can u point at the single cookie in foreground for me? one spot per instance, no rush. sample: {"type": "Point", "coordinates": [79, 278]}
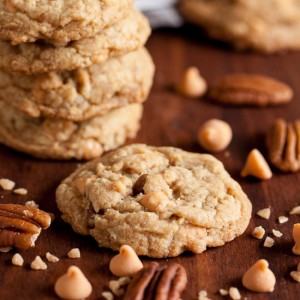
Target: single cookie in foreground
{"type": "Point", "coordinates": [60, 21]}
{"type": "Point", "coordinates": [266, 26]}
{"type": "Point", "coordinates": [127, 35]}
{"type": "Point", "coordinates": [160, 201]}
{"type": "Point", "coordinates": [84, 93]}
{"type": "Point", "coordinates": [59, 139]}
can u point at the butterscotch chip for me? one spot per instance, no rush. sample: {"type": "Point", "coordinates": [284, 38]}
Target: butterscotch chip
{"type": "Point", "coordinates": [282, 219]}
{"type": "Point", "coordinates": [295, 211]}
{"type": "Point", "coordinates": [295, 275]}
{"type": "Point", "coordinates": [223, 292]}
{"type": "Point", "coordinates": [107, 295]}
{"type": "Point", "coordinates": [258, 232]}
{"type": "Point", "coordinates": [38, 264]}
{"type": "Point", "coordinates": [277, 233]}
{"type": "Point", "coordinates": [17, 260]}
{"type": "Point", "coordinates": [192, 84]}
{"type": "Point", "coordinates": [51, 258]}
{"type": "Point", "coordinates": [234, 293]}
{"type": "Point", "coordinates": [264, 213]}
{"type": "Point", "coordinates": [250, 89]}
{"type": "Point", "coordinates": [7, 184]}
{"type": "Point", "coordinates": [256, 166]}
{"type": "Point", "coordinates": [269, 242]}
{"type": "Point", "coordinates": [283, 142]}
{"type": "Point", "coordinates": [21, 191]}
{"type": "Point", "coordinates": [74, 253]}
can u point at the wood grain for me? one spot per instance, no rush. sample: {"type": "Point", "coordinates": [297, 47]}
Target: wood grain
{"type": "Point", "coordinates": [171, 119]}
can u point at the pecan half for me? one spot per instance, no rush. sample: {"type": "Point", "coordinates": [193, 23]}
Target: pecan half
{"type": "Point", "coordinates": [283, 142]}
{"type": "Point", "coordinates": [21, 225]}
{"type": "Point", "coordinates": [138, 187]}
{"type": "Point", "coordinates": [157, 283]}
{"type": "Point", "coordinates": [250, 89]}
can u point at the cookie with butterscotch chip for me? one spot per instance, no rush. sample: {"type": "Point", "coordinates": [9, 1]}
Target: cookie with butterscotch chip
{"type": "Point", "coordinates": [59, 21]}
{"type": "Point", "coordinates": [161, 201]}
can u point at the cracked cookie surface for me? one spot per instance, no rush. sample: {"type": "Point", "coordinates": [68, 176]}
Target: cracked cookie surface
{"type": "Point", "coordinates": [58, 21]}
{"type": "Point", "coordinates": [160, 201]}
{"type": "Point", "coordinates": [60, 139]}
{"type": "Point", "coordinates": [266, 26]}
{"type": "Point", "coordinates": [84, 93]}
{"type": "Point", "coordinates": [128, 35]}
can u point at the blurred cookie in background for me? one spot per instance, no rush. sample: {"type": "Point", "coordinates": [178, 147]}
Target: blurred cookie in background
{"type": "Point", "coordinates": [266, 26]}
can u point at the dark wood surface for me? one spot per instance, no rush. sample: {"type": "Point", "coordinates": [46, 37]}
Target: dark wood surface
{"type": "Point", "coordinates": [173, 120]}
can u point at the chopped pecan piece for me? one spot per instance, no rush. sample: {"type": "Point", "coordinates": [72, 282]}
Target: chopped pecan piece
{"type": "Point", "coordinates": [138, 187]}
{"type": "Point", "coordinates": [283, 142]}
{"type": "Point", "coordinates": [158, 283]}
{"type": "Point", "coordinates": [21, 225]}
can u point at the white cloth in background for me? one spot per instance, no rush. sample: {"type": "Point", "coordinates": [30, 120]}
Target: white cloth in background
{"type": "Point", "coordinates": [161, 13]}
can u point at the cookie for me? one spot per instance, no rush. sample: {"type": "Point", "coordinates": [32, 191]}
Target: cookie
{"type": "Point", "coordinates": [128, 35]}
{"type": "Point", "coordinates": [59, 139]}
{"type": "Point", "coordinates": [266, 26]}
{"type": "Point", "coordinates": [160, 201]}
{"type": "Point", "coordinates": [59, 21]}
{"type": "Point", "coordinates": [84, 93]}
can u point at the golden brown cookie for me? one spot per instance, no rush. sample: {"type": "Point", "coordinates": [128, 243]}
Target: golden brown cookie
{"type": "Point", "coordinates": [83, 93]}
{"type": "Point", "coordinates": [161, 201]}
{"type": "Point", "coordinates": [266, 26]}
{"type": "Point", "coordinates": [59, 21]}
{"type": "Point", "coordinates": [59, 139]}
{"type": "Point", "coordinates": [129, 34]}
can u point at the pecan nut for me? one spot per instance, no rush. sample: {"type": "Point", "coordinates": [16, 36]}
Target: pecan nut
{"type": "Point", "coordinates": [283, 142]}
{"type": "Point", "coordinates": [21, 225]}
{"type": "Point", "coordinates": [138, 187]}
{"type": "Point", "coordinates": [250, 89]}
{"type": "Point", "coordinates": [158, 283]}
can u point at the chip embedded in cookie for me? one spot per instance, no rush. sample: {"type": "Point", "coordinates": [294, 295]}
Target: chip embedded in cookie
{"type": "Point", "coordinates": [160, 201]}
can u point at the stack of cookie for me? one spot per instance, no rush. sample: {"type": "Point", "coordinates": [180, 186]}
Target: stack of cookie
{"type": "Point", "coordinates": [73, 75]}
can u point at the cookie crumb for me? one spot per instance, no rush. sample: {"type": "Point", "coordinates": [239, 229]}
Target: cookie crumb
{"type": "Point", "coordinates": [51, 258]}
{"type": "Point", "coordinates": [21, 191]}
{"type": "Point", "coordinates": [74, 253]}
{"type": "Point", "coordinates": [234, 293]}
{"type": "Point", "coordinates": [38, 264]}
{"type": "Point", "coordinates": [32, 204]}
{"type": "Point", "coordinates": [264, 213]}
{"type": "Point", "coordinates": [258, 232]}
{"type": "Point", "coordinates": [269, 242]}
{"type": "Point", "coordinates": [17, 260]}
{"type": "Point", "coordinates": [223, 292]}
{"type": "Point", "coordinates": [295, 275]}
{"type": "Point", "coordinates": [277, 233]}
{"type": "Point", "coordinates": [202, 295]}
{"type": "Point", "coordinates": [5, 249]}
{"type": "Point", "coordinates": [116, 285]}
{"type": "Point", "coordinates": [282, 219]}
{"type": "Point", "coordinates": [107, 295]}
{"type": "Point", "coordinates": [295, 211]}
{"type": "Point", "coordinates": [6, 184]}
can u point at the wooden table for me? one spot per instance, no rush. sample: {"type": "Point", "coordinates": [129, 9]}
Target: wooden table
{"type": "Point", "coordinates": [174, 120]}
